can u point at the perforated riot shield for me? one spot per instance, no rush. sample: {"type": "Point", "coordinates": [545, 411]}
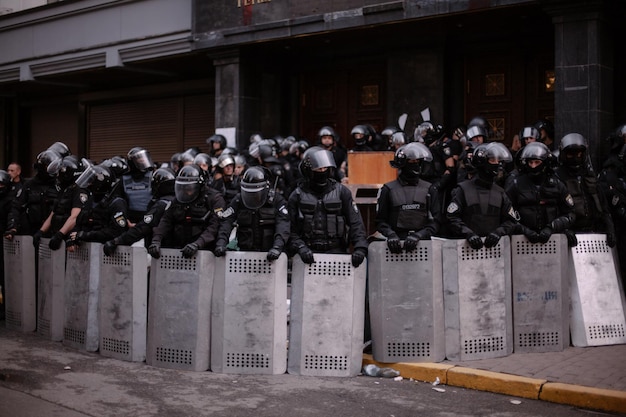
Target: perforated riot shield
{"type": "Point", "coordinates": [19, 283]}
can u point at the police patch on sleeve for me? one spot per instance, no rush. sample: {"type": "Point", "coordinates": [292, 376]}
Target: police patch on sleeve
{"type": "Point", "coordinates": [283, 210]}
{"type": "Point", "coordinates": [120, 219]}
{"type": "Point", "coordinates": [219, 212]}
{"type": "Point", "coordinates": [19, 193]}
{"type": "Point", "coordinates": [569, 200]}
{"type": "Point", "coordinates": [514, 214]}
{"type": "Point", "coordinates": [83, 197]}
{"type": "Point", "coordinates": [452, 208]}
{"type": "Point", "coordinates": [228, 212]}
{"type": "Point", "coordinates": [147, 219]}
{"type": "Point", "coordinates": [355, 207]}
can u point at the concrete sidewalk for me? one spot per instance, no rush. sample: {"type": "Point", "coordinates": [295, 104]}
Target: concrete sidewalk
{"type": "Point", "coordinates": [592, 377]}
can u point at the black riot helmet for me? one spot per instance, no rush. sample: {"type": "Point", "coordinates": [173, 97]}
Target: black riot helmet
{"type": "Point", "coordinates": [60, 148]}
{"type": "Point", "coordinates": [545, 125]}
{"type": "Point", "coordinates": [218, 139]}
{"type": "Point", "coordinates": [387, 134]}
{"type": "Point", "coordinates": [409, 160]}
{"type": "Point", "coordinates": [327, 131]}
{"type": "Point", "coordinates": [474, 134]}
{"type": "Point", "coordinates": [255, 187]}
{"type": "Point", "coordinates": [139, 160]}
{"type": "Point", "coordinates": [360, 134]}
{"type": "Point", "coordinates": [118, 165]}
{"type": "Point", "coordinates": [98, 179]}
{"type": "Point", "coordinates": [163, 182]}
{"type": "Point", "coordinates": [189, 182]}
{"type": "Point", "coordinates": [537, 151]}
{"type": "Point", "coordinates": [67, 169]}
{"type": "Point", "coordinates": [491, 158]}
{"type": "Point", "coordinates": [428, 132]}
{"type": "Point", "coordinates": [5, 183]}
{"type": "Point", "coordinates": [617, 141]}
{"type": "Point", "coordinates": [398, 139]}
{"type": "Point", "coordinates": [573, 150]}
{"type": "Point", "coordinates": [314, 160]}
{"type": "Point", "coordinates": [44, 159]}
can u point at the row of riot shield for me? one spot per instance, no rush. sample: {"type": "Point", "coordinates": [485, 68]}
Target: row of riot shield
{"type": "Point", "coordinates": [443, 300]}
{"type": "Point", "coordinates": [447, 300]}
{"type": "Point", "coordinates": [226, 314]}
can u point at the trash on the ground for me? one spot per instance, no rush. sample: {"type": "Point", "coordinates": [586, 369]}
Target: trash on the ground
{"type": "Point", "coordinates": [398, 378]}
{"type": "Point", "coordinates": [374, 370]}
{"type": "Point", "coordinates": [67, 368]}
{"type": "Point", "coordinates": [437, 381]}
{"type": "Point", "coordinates": [439, 389]}
{"type": "Point", "coordinates": [516, 402]}
{"type": "Point", "coordinates": [377, 383]}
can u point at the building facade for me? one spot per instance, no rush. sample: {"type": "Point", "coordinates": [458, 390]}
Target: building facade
{"type": "Point", "coordinates": [106, 75]}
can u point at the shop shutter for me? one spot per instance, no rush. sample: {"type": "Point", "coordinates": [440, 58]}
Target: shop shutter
{"type": "Point", "coordinates": [199, 121]}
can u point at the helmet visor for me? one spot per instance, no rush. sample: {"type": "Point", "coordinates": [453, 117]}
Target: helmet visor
{"type": "Point", "coordinates": [86, 178]}
{"type": "Point", "coordinates": [142, 160]}
{"type": "Point", "coordinates": [187, 189]}
{"type": "Point", "coordinates": [322, 159]}
{"type": "Point", "coordinates": [254, 195]}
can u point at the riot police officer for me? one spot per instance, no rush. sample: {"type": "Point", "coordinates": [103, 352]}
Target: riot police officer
{"type": "Point", "coordinates": [136, 184]}
{"type": "Point", "coordinates": [329, 140]}
{"type": "Point", "coordinates": [542, 200]}
{"type": "Point", "coordinates": [479, 207]}
{"type": "Point", "coordinates": [71, 200]}
{"type": "Point", "coordinates": [33, 203]}
{"type": "Point", "coordinates": [612, 182]}
{"type": "Point", "coordinates": [163, 194]}
{"type": "Point", "coordinates": [590, 206]}
{"type": "Point", "coordinates": [217, 143]}
{"type": "Point", "coordinates": [361, 136]}
{"type": "Point", "coordinates": [225, 181]}
{"type": "Point", "coordinates": [322, 212]}
{"type": "Point", "coordinates": [407, 208]}
{"type": "Point", "coordinates": [260, 214]}
{"type": "Point", "coordinates": [193, 220]}
{"type": "Point", "coordinates": [106, 218]}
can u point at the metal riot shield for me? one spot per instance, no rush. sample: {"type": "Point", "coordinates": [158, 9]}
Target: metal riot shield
{"type": "Point", "coordinates": [597, 299]}
{"type": "Point", "coordinates": [19, 283]}
{"type": "Point", "coordinates": [327, 316]}
{"type": "Point", "coordinates": [406, 304]}
{"type": "Point", "coordinates": [179, 312]}
{"type": "Point", "coordinates": [249, 314]}
{"type": "Point", "coordinates": [51, 291]}
{"type": "Point", "coordinates": [124, 304]}
{"type": "Point", "coordinates": [82, 282]}
{"type": "Point", "coordinates": [540, 294]}
{"type": "Point", "coordinates": [477, 299]}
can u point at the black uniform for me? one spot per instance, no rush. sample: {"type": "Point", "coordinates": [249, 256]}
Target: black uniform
{"type": "Point", "coordinates": [229, 189]}
{"type": "Point", "coordinates": [326, 221]}
{"type": "Point", "coordinates": [542, 202]}
{"type": "Point", "coordinates": [32, 205]}
{"type": "Point", "coordinates": [144, 228]}
{"type": "Point", "coordinates": [104, 220]}
{"type": "Point", "coordinates": [136, 189]}
{"type": "Point", "coordinates": [403, 207]}
{"type": "Point", "coordinates": [257, 230]}
{"type": "Point", "coordinates": [478, 208]}
{"type": "Point", "coordinates": [196, 222]}
{"type": "Point", "coordinates": [70, 198]}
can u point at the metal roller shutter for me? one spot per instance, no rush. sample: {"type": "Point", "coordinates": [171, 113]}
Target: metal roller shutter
{"type": "Point", "coordinates": [162, 126]}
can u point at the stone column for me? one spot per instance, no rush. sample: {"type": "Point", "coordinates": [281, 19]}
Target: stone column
{"type": "Point", "coordinates": [584, 67]}
{"type": "Point", "coordinates": [236, 97]}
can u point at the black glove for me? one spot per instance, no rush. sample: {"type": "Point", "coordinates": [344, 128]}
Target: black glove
{"type": "Point", "coordinates": [610, 239]}
{"type": "Point", "coordinates": [475, 242]}
{"type": "Point", "coordinates": [532, 236]}
{"type": "Point", "coordinates": [10, 233]}
{"type": "Point", "coordinates": [109, 247]}
{"type": "Point", "coordinates": [358, 256]}
{"type": "Point", "coordinates": [572, 240]}
{"type": "Point", "coordinates": [155, 250]}
{"type": "Point", "coordinates": [492, 240]}
{"type": "Point", "coordinates": [393, 243]}
{"type": "Point", "coordinates": [219, 251]}
{"type": "Point", "coordinates": [306, 255]}
{"type": "Point", "coordinates": [37, 238]}
{"type": "Point", "coordinates": [559, 224]}
{"type": "Point", "coordinates": [411, 241]}
{"type": "Point", "coordinates": [273, 254]}
{"type": "Point", "coordinates": [544, 234]}
{"type": "Point", "coordinates": [55, 241]}
{"type": "Point", "coordinates": [189, 250]}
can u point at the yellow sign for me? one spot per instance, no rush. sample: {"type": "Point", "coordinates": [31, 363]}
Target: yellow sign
{"type": "Point", "coordinates": [250, 2]}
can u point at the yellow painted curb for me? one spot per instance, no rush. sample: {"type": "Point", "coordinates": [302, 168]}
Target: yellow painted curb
{"type": "Point", "coordinates": [477, 379]}
{"type": "Point", "coordinates": [423, 371]}
{"type": "Point", "coordinates": [585, 397]}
